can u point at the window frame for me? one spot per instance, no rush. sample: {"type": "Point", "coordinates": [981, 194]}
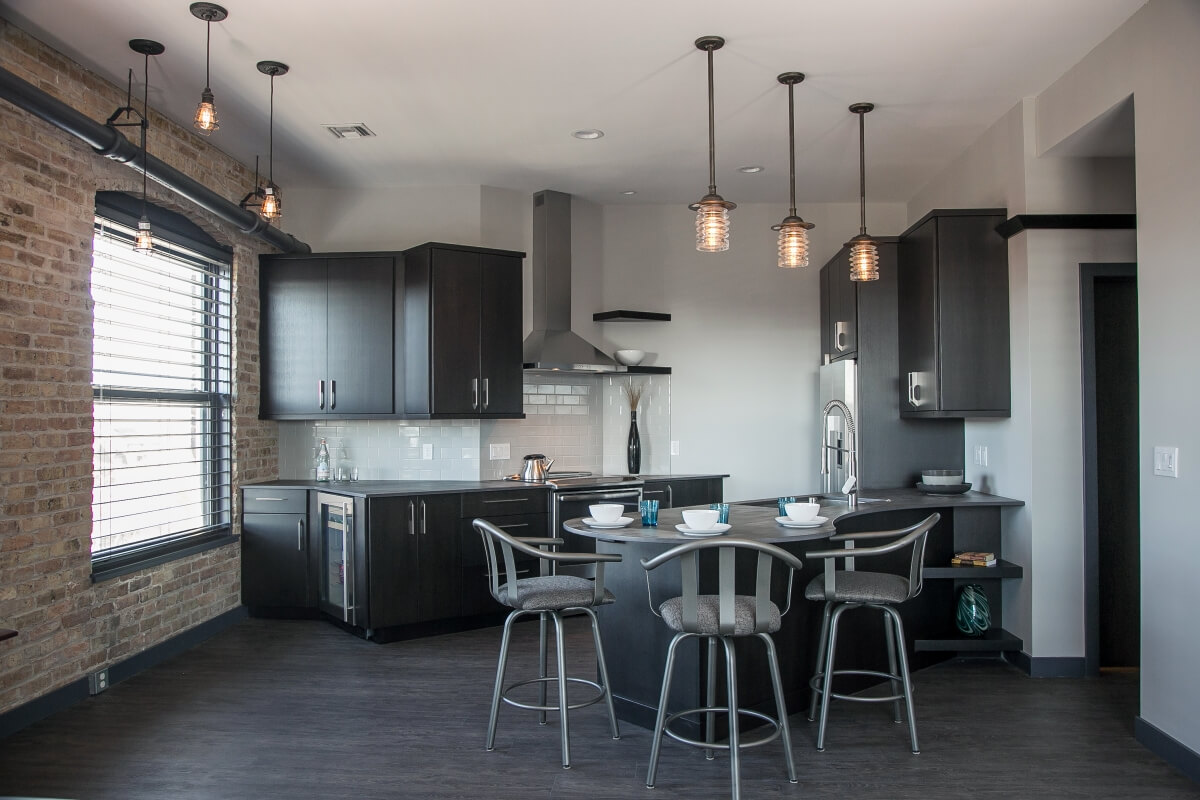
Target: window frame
{"type": "Point", "coordinates": [173, 229]}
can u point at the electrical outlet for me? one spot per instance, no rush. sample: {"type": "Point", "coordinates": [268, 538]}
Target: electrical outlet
{"type": "Point", "coordinates": [674, 447]}
{"type": "Point", "coordinates": [98, 682]}
{"type": "Point", "coordinates": [498, 452]}
{"type": "Point", "coordinates": [427, 452]}
{"type": "Point", "coordinates": [1166, 462]}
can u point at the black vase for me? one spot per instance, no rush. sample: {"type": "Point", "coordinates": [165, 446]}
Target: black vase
{"type": "Point", "coordinates": [634, 449]}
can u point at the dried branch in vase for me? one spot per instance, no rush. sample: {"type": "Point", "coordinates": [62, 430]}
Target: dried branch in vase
{"type": "Point", "coordinates": [634, 395]}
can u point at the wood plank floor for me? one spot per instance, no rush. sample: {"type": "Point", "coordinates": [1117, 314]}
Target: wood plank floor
{"type": "Point", "coordinates": [300, 709]}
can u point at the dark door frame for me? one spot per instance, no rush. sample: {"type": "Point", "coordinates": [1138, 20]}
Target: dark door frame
{"type": "Point", "coordinates": [1088, 273]}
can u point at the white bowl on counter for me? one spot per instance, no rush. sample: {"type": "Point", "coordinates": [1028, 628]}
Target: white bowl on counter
{"type": "Point", "coordinates": [606, 512]}
{"type": "Point", "coordinates": [630, 358]}
{"type": "Point", "coordinates": [700, 519]}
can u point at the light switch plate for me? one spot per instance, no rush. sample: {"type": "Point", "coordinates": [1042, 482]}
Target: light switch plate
{"type": "Point", "coordinates": [674, 447]}
{"type": "Point", "coordinates": [498, 452]}
{"type": "Point", "coordinates": [427, 452]}
{"type": "Point", "coordinates": [1166, 461]}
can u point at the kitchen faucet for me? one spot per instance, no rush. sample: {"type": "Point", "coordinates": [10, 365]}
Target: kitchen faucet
{"type": "Point", "coordinates": [851, 487]}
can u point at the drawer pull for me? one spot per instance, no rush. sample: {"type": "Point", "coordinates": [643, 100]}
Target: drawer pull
{"type": "Point", "coordinates": [511, 500]}
{"type": "Point", "coordinates": [275, 499]}
{"type": "Point", "coordinates": [514, 525]}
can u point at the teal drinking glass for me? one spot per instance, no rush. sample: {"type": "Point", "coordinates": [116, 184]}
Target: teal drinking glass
{"type": "Point", "coordinates": [722, 510]}
{"type": "Point", "coordinates": [783, 501]}
{"type": "Point", "coordinates": [649, 509]}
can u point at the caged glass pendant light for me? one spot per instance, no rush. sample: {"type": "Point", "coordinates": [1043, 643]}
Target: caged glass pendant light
{"type": "Point", "coordinates": [205, 120]}
{"type": "Point", "coordinates": [144, 239]}
{"type": "Point", "coordinates": [271, 207]}
{"type": "Point", "coordinates": [793, 231]}
{"type": "Point", "coordinates": [712, 212]}
{"type": "Point", "coordinates": [864, 255]}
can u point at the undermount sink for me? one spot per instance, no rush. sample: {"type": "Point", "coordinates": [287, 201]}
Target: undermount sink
{"type": "Point", "coordinates": [825, 497]}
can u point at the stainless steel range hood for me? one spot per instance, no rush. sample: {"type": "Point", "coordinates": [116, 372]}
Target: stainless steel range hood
{"type": "Point", "coordinates": [553, 345]}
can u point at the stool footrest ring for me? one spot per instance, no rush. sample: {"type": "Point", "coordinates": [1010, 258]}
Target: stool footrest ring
{"type": "Point", "coordinates": [817, 684]}
{"type": "Point", "coordinates": [772, 736]}
{"type": "Point", "coordinates": [570, 706]}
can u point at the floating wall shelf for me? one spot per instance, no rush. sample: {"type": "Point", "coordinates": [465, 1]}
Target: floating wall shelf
{"type": "Point", "coordinates": [630, 316]}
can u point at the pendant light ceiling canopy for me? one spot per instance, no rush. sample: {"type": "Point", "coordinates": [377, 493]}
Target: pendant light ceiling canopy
{"type": "Point", "coordinates": [864, 254]}
{"type": "Point", "coordinates": [205, 120]}
{"type": "Point", "coordinates": [712, 212]}
{"type": "Point", "coordinates": [793, 231]}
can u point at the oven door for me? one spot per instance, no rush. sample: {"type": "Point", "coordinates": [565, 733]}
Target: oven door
{"type": "Point", "coordinates": [572, 504]}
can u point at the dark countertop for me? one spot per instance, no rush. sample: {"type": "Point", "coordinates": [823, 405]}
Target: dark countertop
{"type": "Point", "coordinates": [397, 488]}
{"type": "Point", "coordinates": [753, 521]}
{"type": "Point", "coordinates": [683, 477]}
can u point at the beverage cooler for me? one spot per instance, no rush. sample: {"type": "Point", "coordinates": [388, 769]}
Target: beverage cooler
{"type": "Point", "coordinates": [342, 570]}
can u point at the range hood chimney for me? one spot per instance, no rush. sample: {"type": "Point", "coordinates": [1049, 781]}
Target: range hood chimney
{"type": "Point", "coordinates": [553, 345]}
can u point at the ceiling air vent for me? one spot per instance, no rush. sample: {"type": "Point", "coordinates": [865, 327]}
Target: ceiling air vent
{"type": "Point", "coordinates": [349, 130]}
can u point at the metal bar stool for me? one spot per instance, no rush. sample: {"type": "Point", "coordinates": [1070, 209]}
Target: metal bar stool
{"type": "Point", "coordinates": [843, 589]}
{"type": "Point", "coordinates": [548, 596]}
{"type": "Point", "coordinates": [723, 617]}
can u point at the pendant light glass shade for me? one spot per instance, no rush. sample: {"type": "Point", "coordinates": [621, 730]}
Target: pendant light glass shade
{"type": "Point", "coordinates": [205, 121]}
{"type": "Point", "coordinates": [144, 242]}
{"type": "Point", "coordinates": [793, 231]}
{"type": "Point", "coordinates": [864, 255]}
{"type": "Point", "coordinates": [712, 212]}
{"type": "Point", "coordinates": [270, 204]}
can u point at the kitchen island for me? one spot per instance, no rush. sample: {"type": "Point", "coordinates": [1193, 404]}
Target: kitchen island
{"type": "Point", "coordinates": [636, 640]}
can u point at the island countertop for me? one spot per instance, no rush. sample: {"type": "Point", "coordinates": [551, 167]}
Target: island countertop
{"type": "Point", "coordinates": [755, 519]}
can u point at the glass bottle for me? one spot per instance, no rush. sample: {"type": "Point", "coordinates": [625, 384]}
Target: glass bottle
{"type": "Point", "coordinates": [323, 462]}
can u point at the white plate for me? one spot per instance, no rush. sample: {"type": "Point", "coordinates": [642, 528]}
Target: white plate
{"type": "Point", "coordinates": [716, 530]}
{"type": "Point", "coordinates": [620, 522]}
{"type": "Point", "coordinates": [815, 522]}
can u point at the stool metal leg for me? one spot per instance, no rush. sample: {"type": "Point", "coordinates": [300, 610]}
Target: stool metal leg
{"type": "Point", "coordinates": [827, 682]}
{"type": "Point", "coordinates": [562, 689]}
{"type": "Point", "coordinates": [735, 760]}
{"type": "Point", "coordinates": [491, 734]}
{"type": "Point", "coordinates": [908, 701]}
{"type": "Point", "coordinates": [662, 709]}
{"type": "Point", "coordinates": [822, 643]}
{"type": "Point", "coordinates": [542, 666]}
{"type": "Point", "coordinates": [785, 730]}
{"type": "Point", "coordinates": [710, 718]}
{"type": "Point", "coordinates": [612, 714]}
{"type": "Point", "coordinates": [891, 648]}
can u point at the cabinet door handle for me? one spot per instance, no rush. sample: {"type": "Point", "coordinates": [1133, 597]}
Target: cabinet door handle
{"type": "Point", "coordinates": [841, 336]}
{"type": "Point", "coordinates": [423, 528]}
{"type": "Point", "coordinates": [300, 535]}
{"type": "Point", "coordinates": [347, 565]}
{"type": "Point", "coordinates": [332, 395]}
{"type": "Point", "coordinates": [485, 394]}
{"type": "Point", "coordinates": [412, 518]}
{"type": "Point", "coordinates": [670, 496]}
{"type": "Point", "coordinates": [321, 395]}
{"type": "Point", "coordinates": [475, 393]}
{"type": "Point", "coordinates": [914, 389]}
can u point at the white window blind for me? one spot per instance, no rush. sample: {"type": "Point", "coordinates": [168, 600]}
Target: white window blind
{"type": "Point", "coordinates": [161, 387]}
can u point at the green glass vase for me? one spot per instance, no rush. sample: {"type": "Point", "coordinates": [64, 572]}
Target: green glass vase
{"type": "Point", "coordinates": [974, 616]}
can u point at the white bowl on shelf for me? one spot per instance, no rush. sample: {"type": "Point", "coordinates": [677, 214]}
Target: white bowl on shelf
{"type": "Point", "coordinates": [630, 358]}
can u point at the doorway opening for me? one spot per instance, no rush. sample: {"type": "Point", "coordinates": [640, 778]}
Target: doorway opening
{"type": "Point", "coordinates": [1112, 590]}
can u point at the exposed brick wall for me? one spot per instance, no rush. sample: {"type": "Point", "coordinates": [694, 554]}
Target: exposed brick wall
{"type": "Point", "coordinates": [48, 180]}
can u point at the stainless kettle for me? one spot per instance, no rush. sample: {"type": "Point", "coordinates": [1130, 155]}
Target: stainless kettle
{"type": "Point", "coordinates": [536, 468]}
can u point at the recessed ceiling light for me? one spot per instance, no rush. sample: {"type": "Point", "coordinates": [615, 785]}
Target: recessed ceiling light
{"type": "Point", "coordinates": [750, 170]}
{"type": "Point", "coordinates": [629, 192]}
{"type": "Point", "coordinates": [588, 133]}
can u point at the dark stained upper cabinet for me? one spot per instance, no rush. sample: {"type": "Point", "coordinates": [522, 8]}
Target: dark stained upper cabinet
{"type": "Point", "coordinates": [327, 338]}
{"type": "Point", "coordinates": [953, 316]}
{"type": "Point", "coordinates": [839, 308]}
{"type": "Point", "coordinates": [462, 328]}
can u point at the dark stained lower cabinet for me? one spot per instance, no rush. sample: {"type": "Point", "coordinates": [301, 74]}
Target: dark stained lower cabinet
{"type": "Point", "coordinates": [680, 492]}
{"type": "Point", "coordinates": [276, 573]}
{"type": "Point", "coordinates": [413, 550]}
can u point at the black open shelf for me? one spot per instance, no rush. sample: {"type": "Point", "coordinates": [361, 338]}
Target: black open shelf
{"type": "Point", "coordinates": [623, 315]}
{"type": "Point", "coordinates": [991, 641]}
{"type": "Point", "coordinates": [1001, 569]}
{"type": "Point", "coordinates": [648, 370]}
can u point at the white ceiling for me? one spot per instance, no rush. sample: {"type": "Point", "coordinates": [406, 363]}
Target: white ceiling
{"type": "Point", "coordinates": [468, 92]}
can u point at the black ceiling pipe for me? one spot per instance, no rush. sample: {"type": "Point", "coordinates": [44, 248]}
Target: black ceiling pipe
{"type": "Point", "coordinates": [106, 141]}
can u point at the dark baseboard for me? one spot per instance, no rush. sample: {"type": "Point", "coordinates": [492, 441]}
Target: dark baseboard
{"type": "Point", "coordinates": [64, 697]}
{"type": "Point", "coordinates": [1169, 749]}
{"type": "Point", "coordinates": [1053, 667]}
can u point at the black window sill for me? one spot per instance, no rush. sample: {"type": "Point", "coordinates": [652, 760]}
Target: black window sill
{"type": "Point", "coordinates": [107, 568]}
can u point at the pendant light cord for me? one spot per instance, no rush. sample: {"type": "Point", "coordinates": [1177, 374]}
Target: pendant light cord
{"type": "Point", "coordinates": [271, 138]}
{"type": "Point", "coordinates": [791, 150]}
{"type": "Point", "coordinates": [207, 52]}
{"type": "Point", "coordinates": [862, 175]}
{"type": "Point", "coordinates": [712, 138]}
{"type": "Point", "coordinates": [145, 126]}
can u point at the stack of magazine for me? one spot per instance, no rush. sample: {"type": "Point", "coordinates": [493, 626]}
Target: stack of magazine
{"type": "Point", "coordinates": [972, 558]}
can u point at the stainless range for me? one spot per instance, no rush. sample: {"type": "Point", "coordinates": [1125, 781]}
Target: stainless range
{"type": "Point", "coordinates": [573, 492]}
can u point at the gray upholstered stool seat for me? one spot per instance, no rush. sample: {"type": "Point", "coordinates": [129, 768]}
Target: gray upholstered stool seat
{"type": "Point", "coordinates": [547, 596]}
{"type": "Point", "coordinates": [860, 587]}
{"type": "Point", "coordinates": [845, 589]}
{"type": "Point", "coordinates": [708, 612]}
{"type": "Point", "coordinates": [554, 592]}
